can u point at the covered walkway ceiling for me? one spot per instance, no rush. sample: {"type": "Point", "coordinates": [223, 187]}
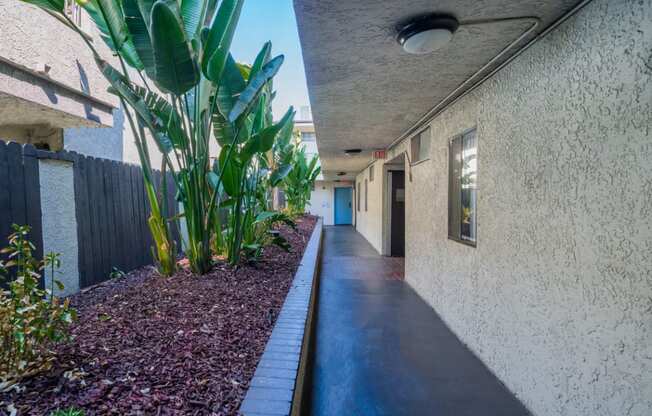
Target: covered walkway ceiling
{"type": "Point", "coordinates": [365, 91]}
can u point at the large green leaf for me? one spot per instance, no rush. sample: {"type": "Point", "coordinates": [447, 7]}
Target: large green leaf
{"type": "Point", "coordinates": [279, 174]}
{"type": "Point", "coordinates": [264, 140]}
{"type": "Point", "coordinates": [231, 171]}
{"type": "Point", "coordinates": [115, 21]}
{"type": "Point", "coordinates": [137, 15]}
{"type": "Point", "coordinates": [176, 68]}
{"type": "Point", "coordinates": [191, 13]}
{"type": "Point", "coordinates": [256, 84]}
{"type": "Point", "coordinates": [262, 58]}
{"type": "Point", "coordinates": [125, 90]}
{"type": "Point", "coordinates": [232, 83]}
{"type": "Point", "coordinates": [220, 36]}
{"type": "Point", "coordinates": [53, 5]}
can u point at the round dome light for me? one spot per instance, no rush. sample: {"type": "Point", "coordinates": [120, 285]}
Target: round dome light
{"type": "Point", "coordinates": [427, 34]}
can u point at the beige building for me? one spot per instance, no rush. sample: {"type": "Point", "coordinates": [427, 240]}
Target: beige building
{"type": "Point", "coordinates": [516, 179]}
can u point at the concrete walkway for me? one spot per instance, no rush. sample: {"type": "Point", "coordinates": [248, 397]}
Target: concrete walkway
{"type": "Point", "coordinates": [381, 350]}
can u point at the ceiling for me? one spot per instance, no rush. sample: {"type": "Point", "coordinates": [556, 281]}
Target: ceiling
{"type": "Point", "coordinates": [365, 91]}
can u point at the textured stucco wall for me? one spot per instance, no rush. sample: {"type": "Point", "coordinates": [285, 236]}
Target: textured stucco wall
{"type": "Point", "coordinates": [369, 222]}
{"type": "Point", "coordinates": [30, 37]}
{"type": "Point", "coordinates": [59, 219]}
{"type": "Point", "coordinates": [106, 142]}
{"type": "Point", "coordinates": [557, 297]}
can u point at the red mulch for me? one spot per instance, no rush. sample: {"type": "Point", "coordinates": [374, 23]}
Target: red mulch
{"type": "Point", "coordinates": [185, 345]}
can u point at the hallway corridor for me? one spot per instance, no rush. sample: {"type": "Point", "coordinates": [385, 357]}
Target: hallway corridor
{"type": "Point", "coordinates": [381, 350]}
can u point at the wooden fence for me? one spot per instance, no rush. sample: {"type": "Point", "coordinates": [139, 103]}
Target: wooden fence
{"type": "Point", "coordinates": [20, 197]}
{"type": "Point", "coordinates": [111, 208]}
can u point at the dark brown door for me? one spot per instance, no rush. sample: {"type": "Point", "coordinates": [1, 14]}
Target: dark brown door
{"type": "Point", "coordinates": [398, 213]}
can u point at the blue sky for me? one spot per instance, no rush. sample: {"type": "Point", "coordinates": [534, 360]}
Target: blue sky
{"type": "Point", "coordinates": [263, 20]}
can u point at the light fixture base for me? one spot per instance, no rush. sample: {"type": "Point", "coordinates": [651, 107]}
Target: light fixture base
{"type": "Point", "coordinates": [427, 33]}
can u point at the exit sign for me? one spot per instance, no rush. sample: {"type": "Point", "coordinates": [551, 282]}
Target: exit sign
{"type": "Point", "coordinates": [380, 154]}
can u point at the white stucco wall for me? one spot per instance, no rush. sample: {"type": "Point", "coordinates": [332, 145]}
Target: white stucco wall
{"type": "Point", "coordinates": [369, 222]}
{"type": "Point", "coordinates": [59, 220]}
{"type": "Point", "coordinates": [557, 297]}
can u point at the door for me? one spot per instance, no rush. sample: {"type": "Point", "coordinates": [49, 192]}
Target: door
{"type": "Point", "coordinates": [398, 213]}
{"type": "Point", "coordinates": [343, 207]}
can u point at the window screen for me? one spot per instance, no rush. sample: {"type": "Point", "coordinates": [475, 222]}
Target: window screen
{"type": "Point", "coordinates": [462, 188]}
{"type": "Point", "coordinates": [366, 195]}
{"type": "Point", "coordinates": [358, 198]}
{"type": "Point", "coordinates": [421, 146]}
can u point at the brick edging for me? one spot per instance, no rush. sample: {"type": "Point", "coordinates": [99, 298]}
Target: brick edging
{"type": "Point", "coordinates": [278, 383]}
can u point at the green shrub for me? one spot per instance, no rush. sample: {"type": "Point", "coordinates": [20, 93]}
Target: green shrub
{"type": "Point", "coordinates": [31, 317]}
{"type": "Point", "coordinates": [68, 412]}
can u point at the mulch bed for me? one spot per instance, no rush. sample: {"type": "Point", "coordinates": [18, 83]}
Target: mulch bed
{"type": "Point", "coordinates": [185, 345]}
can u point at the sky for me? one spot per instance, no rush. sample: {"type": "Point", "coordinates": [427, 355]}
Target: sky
{"type": "Point", "coordinates": [263, 20]}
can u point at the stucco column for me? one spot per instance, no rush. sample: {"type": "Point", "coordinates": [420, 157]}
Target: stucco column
{"type": "Point", "coordinates": [59, 221]}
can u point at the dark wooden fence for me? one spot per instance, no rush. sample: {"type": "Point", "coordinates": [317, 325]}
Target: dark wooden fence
{"type": "Point", "coordinates": [110, 203]}
{"type": "Point", "coordinates": [20, 193]}
{"type": "Point", "coordinates": [112, 211]}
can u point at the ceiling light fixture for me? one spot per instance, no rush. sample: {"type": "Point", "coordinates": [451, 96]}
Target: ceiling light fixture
{"type": "Point", "coordinates": [351, 152]}
{"type": "Point", "coordinates": [426, 34]}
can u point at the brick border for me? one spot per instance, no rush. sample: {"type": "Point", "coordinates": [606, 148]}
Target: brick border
{"type": "Point", "coordinates": [278, 383]}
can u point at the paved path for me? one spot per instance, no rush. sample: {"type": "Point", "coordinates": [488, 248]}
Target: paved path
{"type": "Point", "coordinates": [381, 350]}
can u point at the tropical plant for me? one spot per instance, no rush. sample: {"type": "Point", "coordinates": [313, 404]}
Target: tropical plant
{"type": "Point", "coordinates": [68, 412]}
{"type": "Point", "coordinates": [300, 180]}
{"type": "Point", "coordinates": [183, 48]}
{"type": "Point", "coordinates": [31, 318]}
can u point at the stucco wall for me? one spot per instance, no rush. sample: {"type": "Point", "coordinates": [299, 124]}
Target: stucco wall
{"type": "Point", "coordinates": [59, 220]}
{"type": "Point", "coordinates": [557, 297]}
{"type": "Point", "coordinates": [369, 222]}
{"type": "Point", "coordinates": [103, 142]}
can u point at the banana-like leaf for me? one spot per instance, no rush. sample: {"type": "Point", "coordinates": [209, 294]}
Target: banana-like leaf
{"type": "Point", "coordinates": [125, 90]}
{"type": "Point", "coordinates": [137, 15]}
{"type": "Point", "coordinates": [176, 68]}
{"type": "Point", "coordinates": [231, 85]}
{"type": "Point", "coordinates": [256, 84]}
{"type": "Point", "coordinates": [169, 118]}
{"type": "Point", "coordinates": [116, 26]}
{"type": "Point", "coordinates": [263, 141]}
{"type": "Point", "coordinates": [279, 174]}
{"type": "Point", "coordinates": [220, 36]}
{"type": "Point", "coordinates": [191, 13]}
{"type": "Point", "coordinates": [231, 171]}
{"type": "Point", "coordinates": [53, 5]}
{"type": "Point", "coordinates": [262, 58]}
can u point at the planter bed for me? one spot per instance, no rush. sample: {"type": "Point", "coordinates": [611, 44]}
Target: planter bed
{"type": "Point", "coordinates": [185, 345]}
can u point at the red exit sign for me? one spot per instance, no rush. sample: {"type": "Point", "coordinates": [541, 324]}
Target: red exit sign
{"type": "Point", "coordinates": [380, 154]}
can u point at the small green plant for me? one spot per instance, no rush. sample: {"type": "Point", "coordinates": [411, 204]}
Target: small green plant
{"type": "Point", "coordinates": [261, 233]}
{"type": "Point", "coordinates": [116, 273]}
{"type": "Point", "coordinates": [31, 317]}
{"type": "Point", "coordinates": [69, 412]}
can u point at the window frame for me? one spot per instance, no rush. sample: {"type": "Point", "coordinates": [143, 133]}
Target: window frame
{"type": "Point", "coordinates": [455, 188]}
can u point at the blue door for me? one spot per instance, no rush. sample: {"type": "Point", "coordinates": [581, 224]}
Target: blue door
{"type": "Point", "coordinates": [343, 208]}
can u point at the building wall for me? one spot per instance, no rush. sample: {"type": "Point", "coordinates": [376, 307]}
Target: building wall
{"type": "Point", "coordinates": [557, 297]}
{"type": "Point", "coordinates": [369, 221]}
{"type": "Point", "coordinates": [105, 142]}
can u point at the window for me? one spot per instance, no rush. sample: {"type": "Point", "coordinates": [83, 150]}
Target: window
{"type": "Point", "coordinates": [463, 188]}
{"type": "Point", "coordinates": [308, 137]}
{"type": "Point", "coordinates": [366, 195]}
{"type": "Point", "coordinates": [73, 11]}
{"type": "Point", "coordinates": [358, 198]}
{"type": "Point", "coordinates": [371, 173]}
{"type": "Point", "coordinates": [420, 146]}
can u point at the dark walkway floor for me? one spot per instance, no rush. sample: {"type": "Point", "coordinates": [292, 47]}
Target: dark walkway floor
{"type": "Point", "coordinates": [381, 350]}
